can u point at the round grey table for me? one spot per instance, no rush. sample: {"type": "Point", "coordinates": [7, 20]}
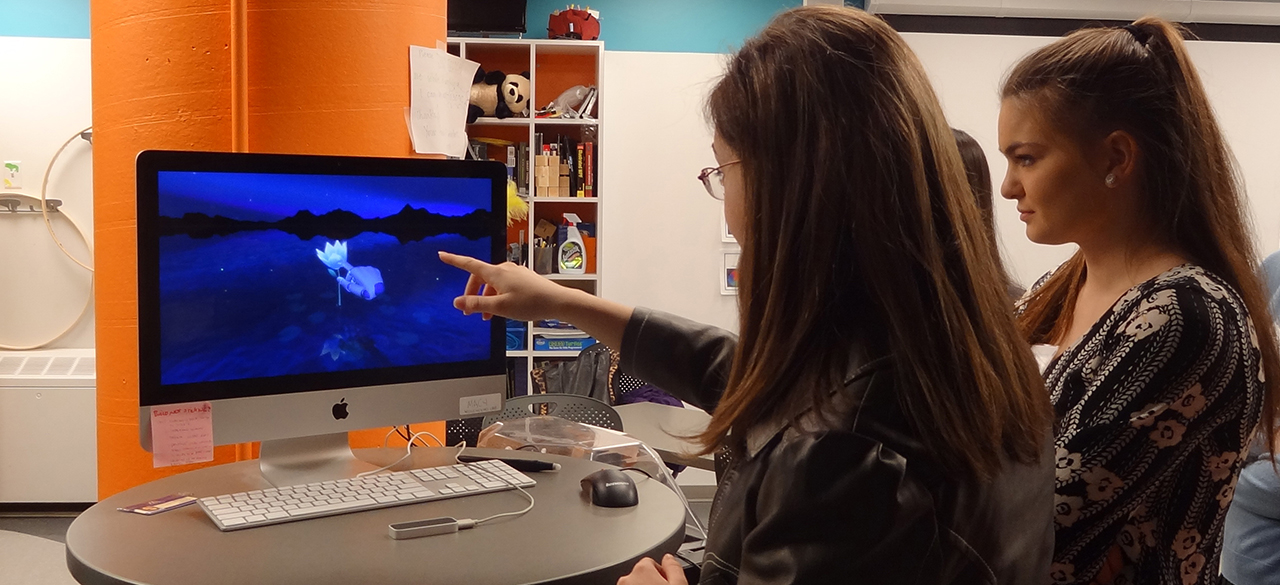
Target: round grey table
{"type": "Point", "coordinates": [563, 539]}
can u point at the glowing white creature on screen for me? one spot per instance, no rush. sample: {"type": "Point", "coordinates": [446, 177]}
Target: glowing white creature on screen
{"type": "Point", "coordinates": [362, 281]}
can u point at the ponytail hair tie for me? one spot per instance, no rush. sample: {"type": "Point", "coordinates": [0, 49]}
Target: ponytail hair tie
{"type": "Point", "coordinates": [1139, 34]}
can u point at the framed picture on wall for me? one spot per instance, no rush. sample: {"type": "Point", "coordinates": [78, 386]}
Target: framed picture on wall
{"type": "Point", "coordinates": [725, 235]}
{"type": "Point", "coordinates": [729, 274]}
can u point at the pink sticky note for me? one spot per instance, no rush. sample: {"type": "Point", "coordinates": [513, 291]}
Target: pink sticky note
{"type": "Point", "coordinates": [181, 434]}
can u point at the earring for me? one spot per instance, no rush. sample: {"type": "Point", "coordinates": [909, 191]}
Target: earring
{"type": "Point", "coordinates": [1110, 180]}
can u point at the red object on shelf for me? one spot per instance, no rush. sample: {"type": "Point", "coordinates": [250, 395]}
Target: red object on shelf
{"type": "Point", "coordinates": [573, 24]}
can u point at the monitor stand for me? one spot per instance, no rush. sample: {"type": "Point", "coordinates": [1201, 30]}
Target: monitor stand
{"type": "Point", "coordinates": [302, 460]}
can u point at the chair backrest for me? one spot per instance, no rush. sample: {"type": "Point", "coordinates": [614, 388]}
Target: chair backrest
{"type": "Point", "coordinates": [463, 429]}
{"type": "Point", "coordinates": [567, 406]}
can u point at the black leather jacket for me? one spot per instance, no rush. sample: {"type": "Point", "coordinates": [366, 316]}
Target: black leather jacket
{"type": "Point", "coordinates": [861, 501]}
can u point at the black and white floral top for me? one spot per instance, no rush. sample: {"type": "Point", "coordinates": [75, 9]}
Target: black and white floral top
{"type": "Point", "coordinates": [1155, 408]}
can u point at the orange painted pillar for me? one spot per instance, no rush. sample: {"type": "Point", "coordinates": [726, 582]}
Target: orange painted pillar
{"type": "Point", "coordinates": [322, 77]}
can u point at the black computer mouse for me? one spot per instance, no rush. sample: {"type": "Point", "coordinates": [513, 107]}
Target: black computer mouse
{"type": "Point", "coordinates": [611, 488]}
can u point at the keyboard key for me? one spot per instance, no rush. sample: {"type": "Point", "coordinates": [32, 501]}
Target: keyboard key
{"type": "Point", "coordinates": [331, 508]}
{"type": "Point", "coordinates": [233, 521]}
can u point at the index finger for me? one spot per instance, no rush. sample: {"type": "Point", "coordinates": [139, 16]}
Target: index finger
{"type": "Point", "coordinates": [472, 265]}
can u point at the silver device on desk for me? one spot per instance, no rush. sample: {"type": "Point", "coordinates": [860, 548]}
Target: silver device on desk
{"type": "Point", "coordinates": [327, 498]}
{"type": "Point", "coordinates": [302, 297]}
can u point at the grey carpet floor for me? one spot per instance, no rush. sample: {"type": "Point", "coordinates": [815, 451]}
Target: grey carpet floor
{"type": "Point", "coordinates": [32, 551]}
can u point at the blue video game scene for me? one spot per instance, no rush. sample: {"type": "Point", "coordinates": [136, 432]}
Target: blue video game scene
{"type": "Point", "coordinates": [272, 274]}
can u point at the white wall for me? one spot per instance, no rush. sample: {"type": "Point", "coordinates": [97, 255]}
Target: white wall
{"type": "Point", "coordinates": [662, 246]}
{"type": "Point", "coordinates": [1242, 80]}
{"type": "Point", "coordinates": [45, 99]}
{"type": "Point", "coordinates": [660, 232]}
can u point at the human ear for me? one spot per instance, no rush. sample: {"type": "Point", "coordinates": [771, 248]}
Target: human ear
{"type": "Point", "coordinates": [1122, 155]}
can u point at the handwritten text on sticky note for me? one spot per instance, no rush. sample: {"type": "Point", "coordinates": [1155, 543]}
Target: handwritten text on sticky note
{"type": "Point", "coordinates": [440, 90]}
{"type": "Point", "coordinates": [181, 434]}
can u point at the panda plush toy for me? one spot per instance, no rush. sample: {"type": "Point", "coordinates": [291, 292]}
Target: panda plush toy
{"type": "Point", "coordinates": [498, 94]}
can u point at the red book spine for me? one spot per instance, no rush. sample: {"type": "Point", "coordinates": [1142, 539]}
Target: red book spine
{"type": "Point", "coordinates": [577, 163]}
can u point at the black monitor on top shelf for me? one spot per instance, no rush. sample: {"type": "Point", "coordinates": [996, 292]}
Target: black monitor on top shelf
{"type": "Point", "coordinates": [303, 297]}
{"type": "Point", "coordinates": [487, 16]}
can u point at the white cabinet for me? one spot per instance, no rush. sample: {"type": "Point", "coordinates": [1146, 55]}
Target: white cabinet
{"type": "Point", "coordinates": [48, 427]}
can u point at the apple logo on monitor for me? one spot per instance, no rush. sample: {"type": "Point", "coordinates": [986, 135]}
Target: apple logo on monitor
{"type": "Point", "coordinates": [340, 410]}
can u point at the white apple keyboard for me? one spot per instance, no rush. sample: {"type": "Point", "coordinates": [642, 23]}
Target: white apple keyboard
{"type": "Point", "coordinates": [327, 498]}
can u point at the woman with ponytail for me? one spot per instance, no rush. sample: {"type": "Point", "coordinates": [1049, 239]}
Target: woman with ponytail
{"type": "Point", "coordinates": [1160, 377]}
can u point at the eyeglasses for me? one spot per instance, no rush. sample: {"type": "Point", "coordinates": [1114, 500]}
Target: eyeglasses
{"type": "Point", "coordinates": [713, 179]}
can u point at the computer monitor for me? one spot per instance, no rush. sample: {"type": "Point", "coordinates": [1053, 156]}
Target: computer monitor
{"type": "Point", "coordinates": [303, 297]}
{"type": "Point", "coordinates": [487, 16]}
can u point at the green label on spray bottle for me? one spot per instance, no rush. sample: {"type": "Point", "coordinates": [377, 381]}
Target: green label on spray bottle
{"type": "Point", "coordinates": [570, 256]}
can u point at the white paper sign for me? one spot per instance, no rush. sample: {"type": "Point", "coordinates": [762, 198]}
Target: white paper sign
{"type": "Point", "coordinates": [440, 89]}
{"type": "Point", "coordinates": [181, 434]}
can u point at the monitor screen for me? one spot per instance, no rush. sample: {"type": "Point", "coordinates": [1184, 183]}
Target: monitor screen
{"type": "Point", "coordinates": [266, 281]}
{"type": "Point", "coordinates": [487, 16]}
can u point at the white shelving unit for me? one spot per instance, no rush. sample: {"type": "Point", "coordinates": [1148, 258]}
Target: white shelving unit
{"type": "Point", "coordinates": [553, 66]}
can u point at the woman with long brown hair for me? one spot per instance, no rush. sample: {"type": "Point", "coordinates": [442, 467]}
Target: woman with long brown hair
{"type": "Point", "coordinates": [1158, 380]}
{"type": "Point", "coordinates": [886, 422]}
{"type": "Point", "coordinates": [979, 176]}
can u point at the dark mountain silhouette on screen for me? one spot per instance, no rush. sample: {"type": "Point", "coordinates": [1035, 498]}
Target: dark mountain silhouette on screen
{"type": "Point", "coordinates": [409, 225]}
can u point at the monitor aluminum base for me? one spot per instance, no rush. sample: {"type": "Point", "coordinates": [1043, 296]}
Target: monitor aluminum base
{"type": "Point", "coordinates": [303, 460]}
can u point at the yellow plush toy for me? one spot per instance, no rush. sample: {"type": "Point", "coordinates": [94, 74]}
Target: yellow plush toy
{"type": "Point", "coordinates": [517, 209]}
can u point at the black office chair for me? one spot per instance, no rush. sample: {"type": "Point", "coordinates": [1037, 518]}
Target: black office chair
{"type": "Point", "coordinates": [463, 429]}
{"type": "Point", "coordinates": [567, 406]}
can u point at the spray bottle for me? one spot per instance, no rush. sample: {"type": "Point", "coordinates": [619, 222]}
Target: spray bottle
{"type": "Point", "coordinates": [572, 258]}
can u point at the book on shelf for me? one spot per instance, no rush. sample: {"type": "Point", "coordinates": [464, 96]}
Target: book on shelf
{"type": "Point", "coordinates": [477, 150]}
{"type": "Point", "coordinates": [559, 333]}
{"type": "Point", "coordinates": [588, 174]}
{"type": "Point", "coordinates": [541, 343]}
{"type": "Point", "coordinates": [579, 187]}
{"type": "Point", "coordinates": [569, 156]}
{"type": "Point", "coordinates": [522, 168]}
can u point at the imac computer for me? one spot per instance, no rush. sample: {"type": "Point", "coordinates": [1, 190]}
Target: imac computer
{"type": "Point", "coordinates": [303, 297]}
